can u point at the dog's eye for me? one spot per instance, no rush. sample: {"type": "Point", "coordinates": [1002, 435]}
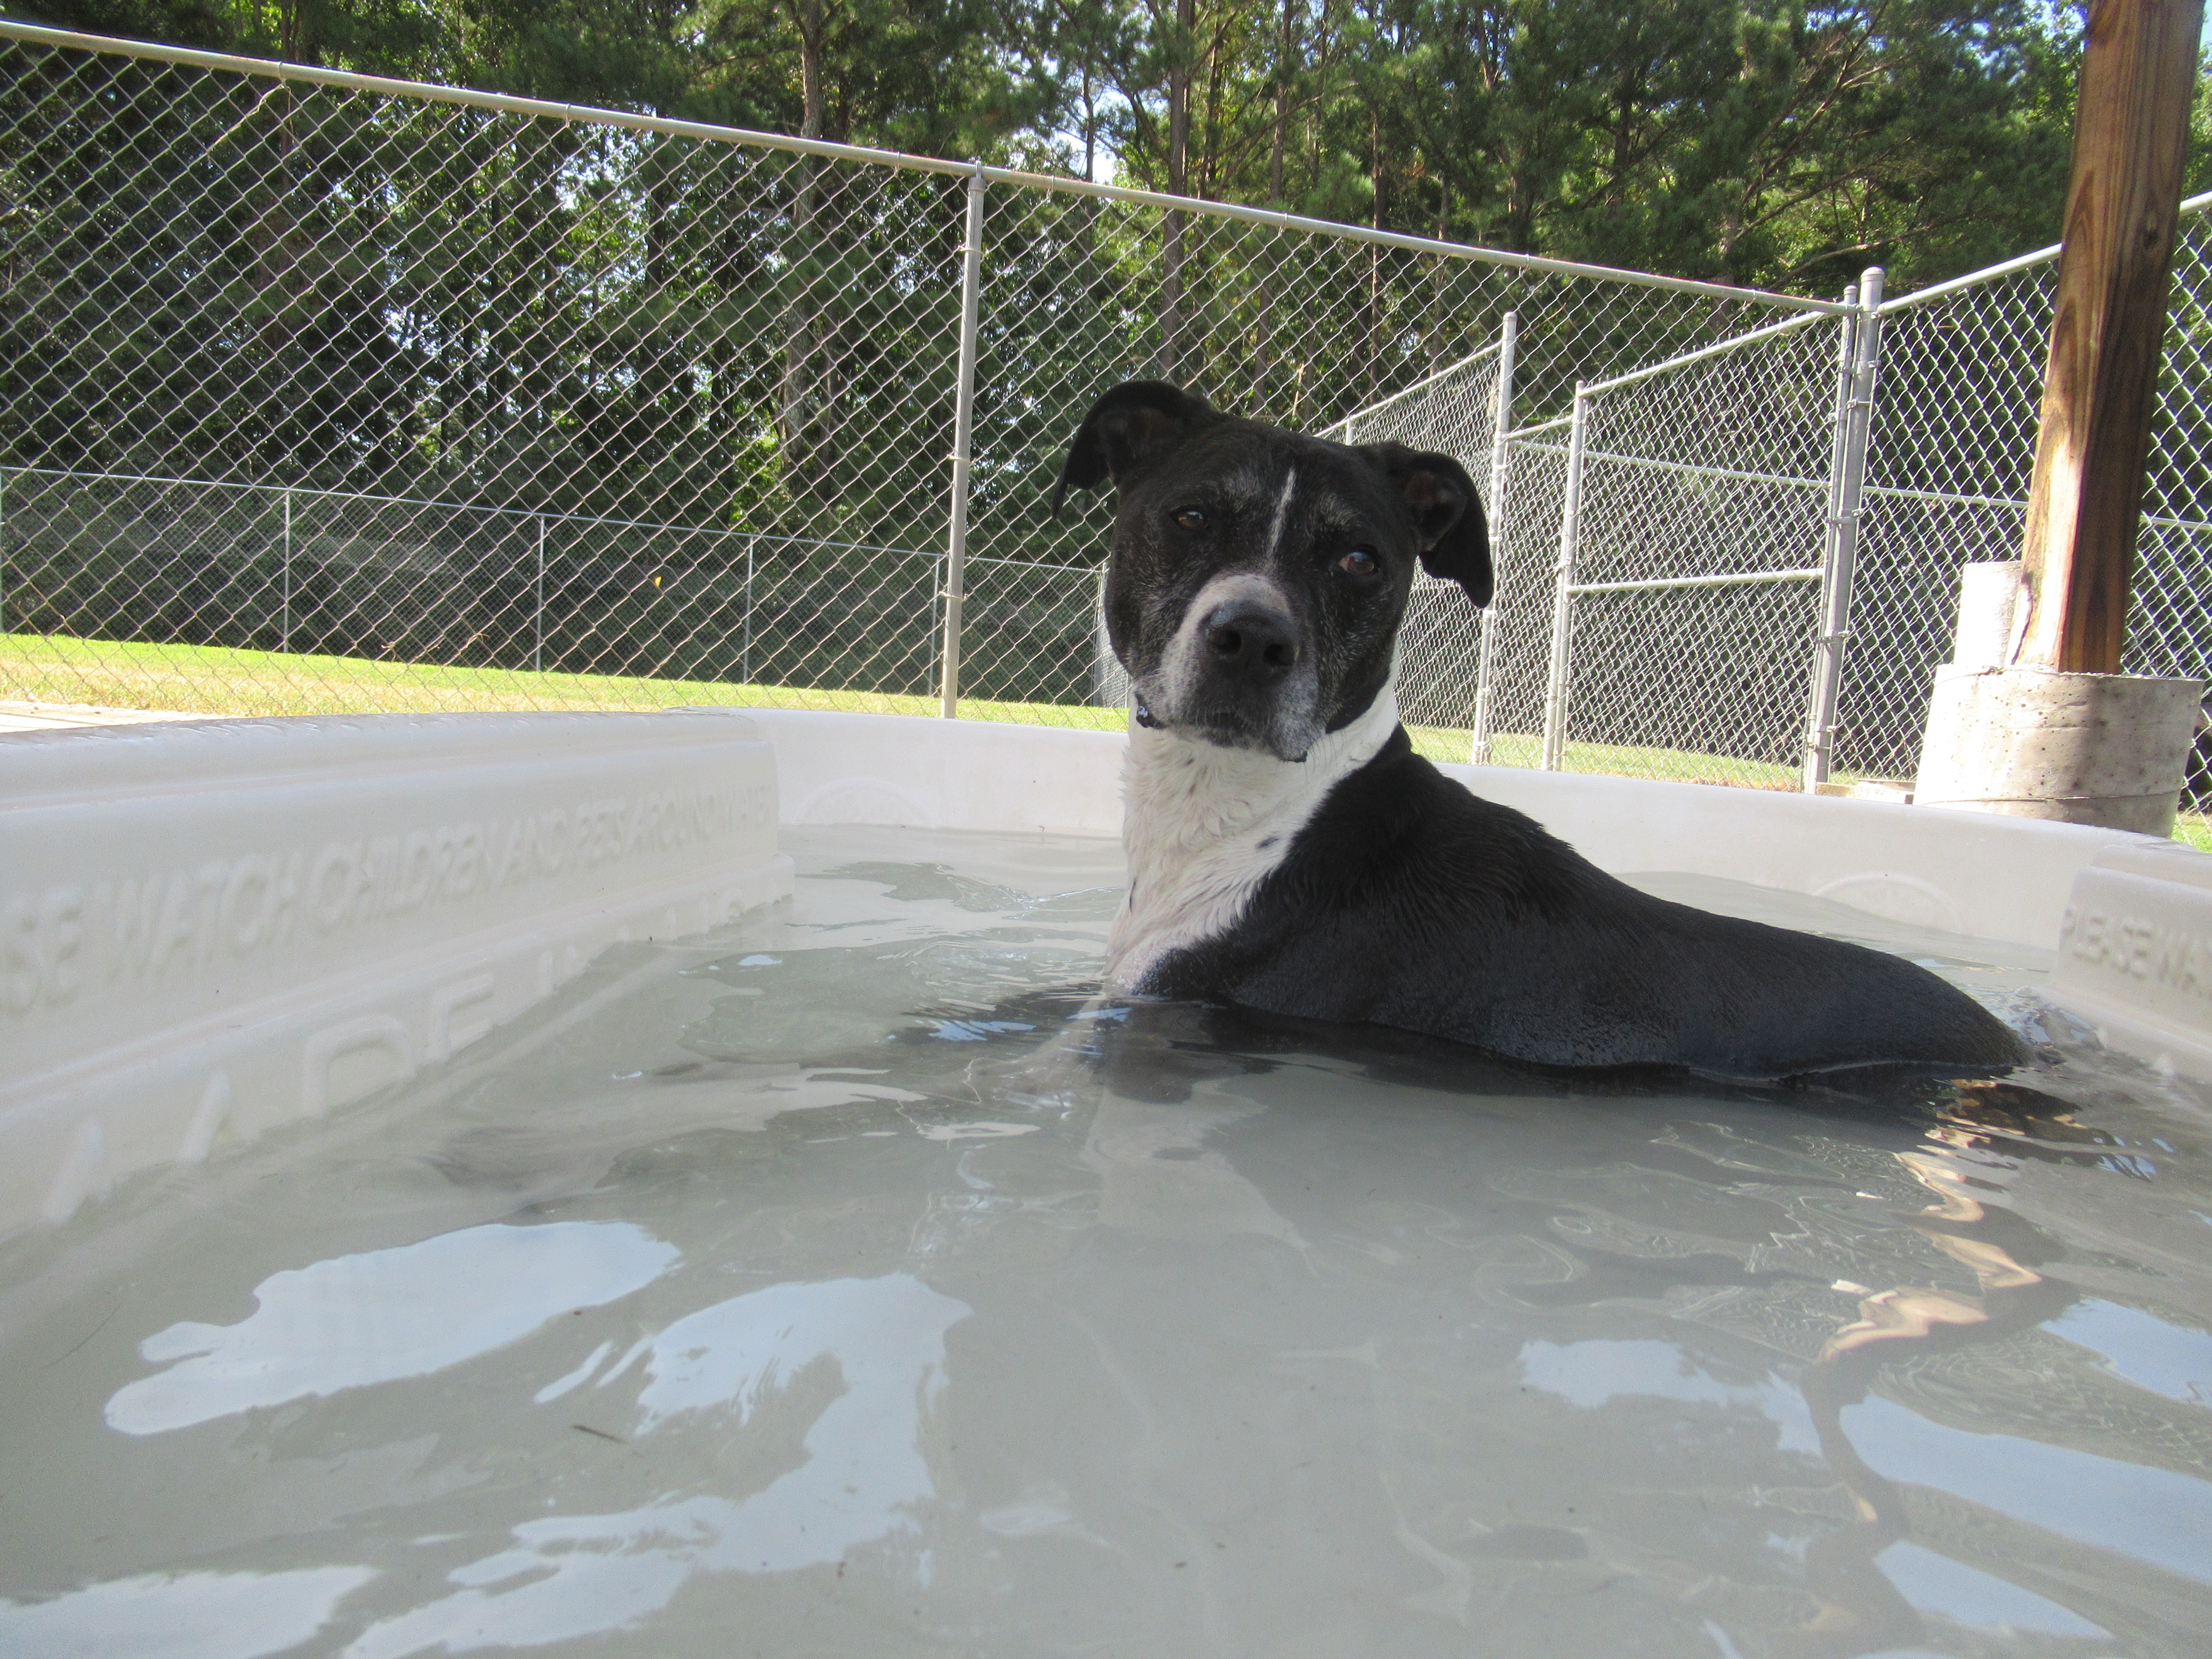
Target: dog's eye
{"type": "Point", "coordinates": [1189, 518]}
{"type": "Point", "coordinates": [1360, 562]}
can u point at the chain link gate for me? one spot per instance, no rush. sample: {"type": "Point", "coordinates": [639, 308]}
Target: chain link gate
{"type": "Point", "coordinates": [1666, 552]}
{"type": "Point", "coordinates": [1698, 505]}
{"type": "Point", "coordinates": [1445, 646]}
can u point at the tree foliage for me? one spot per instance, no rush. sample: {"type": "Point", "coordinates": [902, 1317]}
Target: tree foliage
{"type": "Point", "coordinates": [1773, 142]}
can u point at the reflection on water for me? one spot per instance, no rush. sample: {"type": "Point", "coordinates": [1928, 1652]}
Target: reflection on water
{"type": "Point", "coordinates": [1592, 1373]}
{"type": "Point", "coordinates": [2152, 1353]}
{"type": "Point", "coordinates": [383, 1315]}
{"type": "Point", "coordinates": [186, 1615]}
{"type": "Point", "coordinates": [861, 1474]}
{"type": "Point", "coordinates": [852, 1283]}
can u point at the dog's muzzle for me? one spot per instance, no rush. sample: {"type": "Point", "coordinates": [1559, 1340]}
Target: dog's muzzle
{"type": "Point", "coordinates": [1239, 673]}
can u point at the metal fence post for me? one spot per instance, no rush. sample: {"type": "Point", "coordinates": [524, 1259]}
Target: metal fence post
{"type": "Point", "coordinates": [1815, 768]}
{"type": "Point", "coordinates": [964, 416]}
{"type": "Point", "coordinates": [746, 665]}
{"type": "Point", "coordinates": [936, 675]}
{"type": "Point", "coordinates": [284, 619]}
{"type": "Point", "coordinates": [1571, 510]}
{"type": "Point", "coordinates": [1509, 335]}
{"type": "Point", "coordinates": [538, 651]}
{"type": "Point", "coordinates": [1861, 360]}
{"type": "Point", "coordinates": [1102, 662]}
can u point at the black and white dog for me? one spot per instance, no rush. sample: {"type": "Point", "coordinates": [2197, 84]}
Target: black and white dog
{"type": "Point", "coordinates": [1288, 851]}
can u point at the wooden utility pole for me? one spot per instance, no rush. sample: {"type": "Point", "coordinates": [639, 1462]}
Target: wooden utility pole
{"type": "Point", "coordinates": [2130, 129]}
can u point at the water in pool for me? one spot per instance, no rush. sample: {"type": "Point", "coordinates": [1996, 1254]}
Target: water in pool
{"type": "Point", "coordinates": [848, 1284]}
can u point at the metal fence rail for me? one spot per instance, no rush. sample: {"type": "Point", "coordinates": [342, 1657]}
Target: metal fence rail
{"type": "Point", "coordinates": [319, 392]}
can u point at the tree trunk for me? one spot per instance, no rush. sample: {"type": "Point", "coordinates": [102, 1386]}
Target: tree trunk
{"type": "Point", "coordinates": [1375, 255]}
{"type": "Point", "coordinates": [1171, 248]}
{"type": "Point", "coordinates": [1287, 45]}
{"type": "Point", "coordinates": [1209, 155]}
{"type": "Point", "coordinates": [809, 69]}
{"type": "Point", "coordinates": [1321, 91]}
{"type": "Point", "coordinates": [798, 325]}
{"type": "Point", "coordinates": [1263, 350]}
{"type": "Point", "coordinates": [1089, 121]}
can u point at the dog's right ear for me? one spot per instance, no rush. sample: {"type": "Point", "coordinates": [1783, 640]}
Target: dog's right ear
{"type": "Point", "coordinates": [1134, 424]}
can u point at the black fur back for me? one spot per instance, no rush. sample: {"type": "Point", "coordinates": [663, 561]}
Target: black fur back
{"type": "Point", "coordinates": [1408, 902]}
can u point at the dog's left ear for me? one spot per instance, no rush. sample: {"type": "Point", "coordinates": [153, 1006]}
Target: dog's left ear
{"type": "Point", "coordinates": [1447, 514]}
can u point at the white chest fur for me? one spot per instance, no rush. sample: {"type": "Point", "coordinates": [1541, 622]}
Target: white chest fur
{"type": "Point", "coordinates": [1203, 826]}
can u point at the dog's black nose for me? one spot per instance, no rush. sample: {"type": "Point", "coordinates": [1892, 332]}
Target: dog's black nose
{"type": "Point", "coordinates": [1252, 640]}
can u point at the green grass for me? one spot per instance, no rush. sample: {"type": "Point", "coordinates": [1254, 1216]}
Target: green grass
{"type": "Point", "coordinates": [1625, 761]}
{"type": "Point", "coordinates": [206, 679]}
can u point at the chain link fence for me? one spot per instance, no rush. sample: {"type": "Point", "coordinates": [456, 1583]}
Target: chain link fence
{"type": "Point", "coordinates": [1685, 600]}
{"type": "Point", "coordinates": [324, 394]}
{"type": "Point", "coordinates": [1446, 644]}
{"type": "Point", "coordinates": [1677, 584]}
{"type": "Point", "coordinates": [321, 393]}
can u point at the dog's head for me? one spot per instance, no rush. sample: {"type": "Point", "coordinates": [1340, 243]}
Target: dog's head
{"type": "Point", "coordinates": [1258, 577]}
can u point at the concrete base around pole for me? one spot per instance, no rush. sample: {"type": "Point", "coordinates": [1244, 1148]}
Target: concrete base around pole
{"type": "Point", "coordinates": [2101, 749]}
